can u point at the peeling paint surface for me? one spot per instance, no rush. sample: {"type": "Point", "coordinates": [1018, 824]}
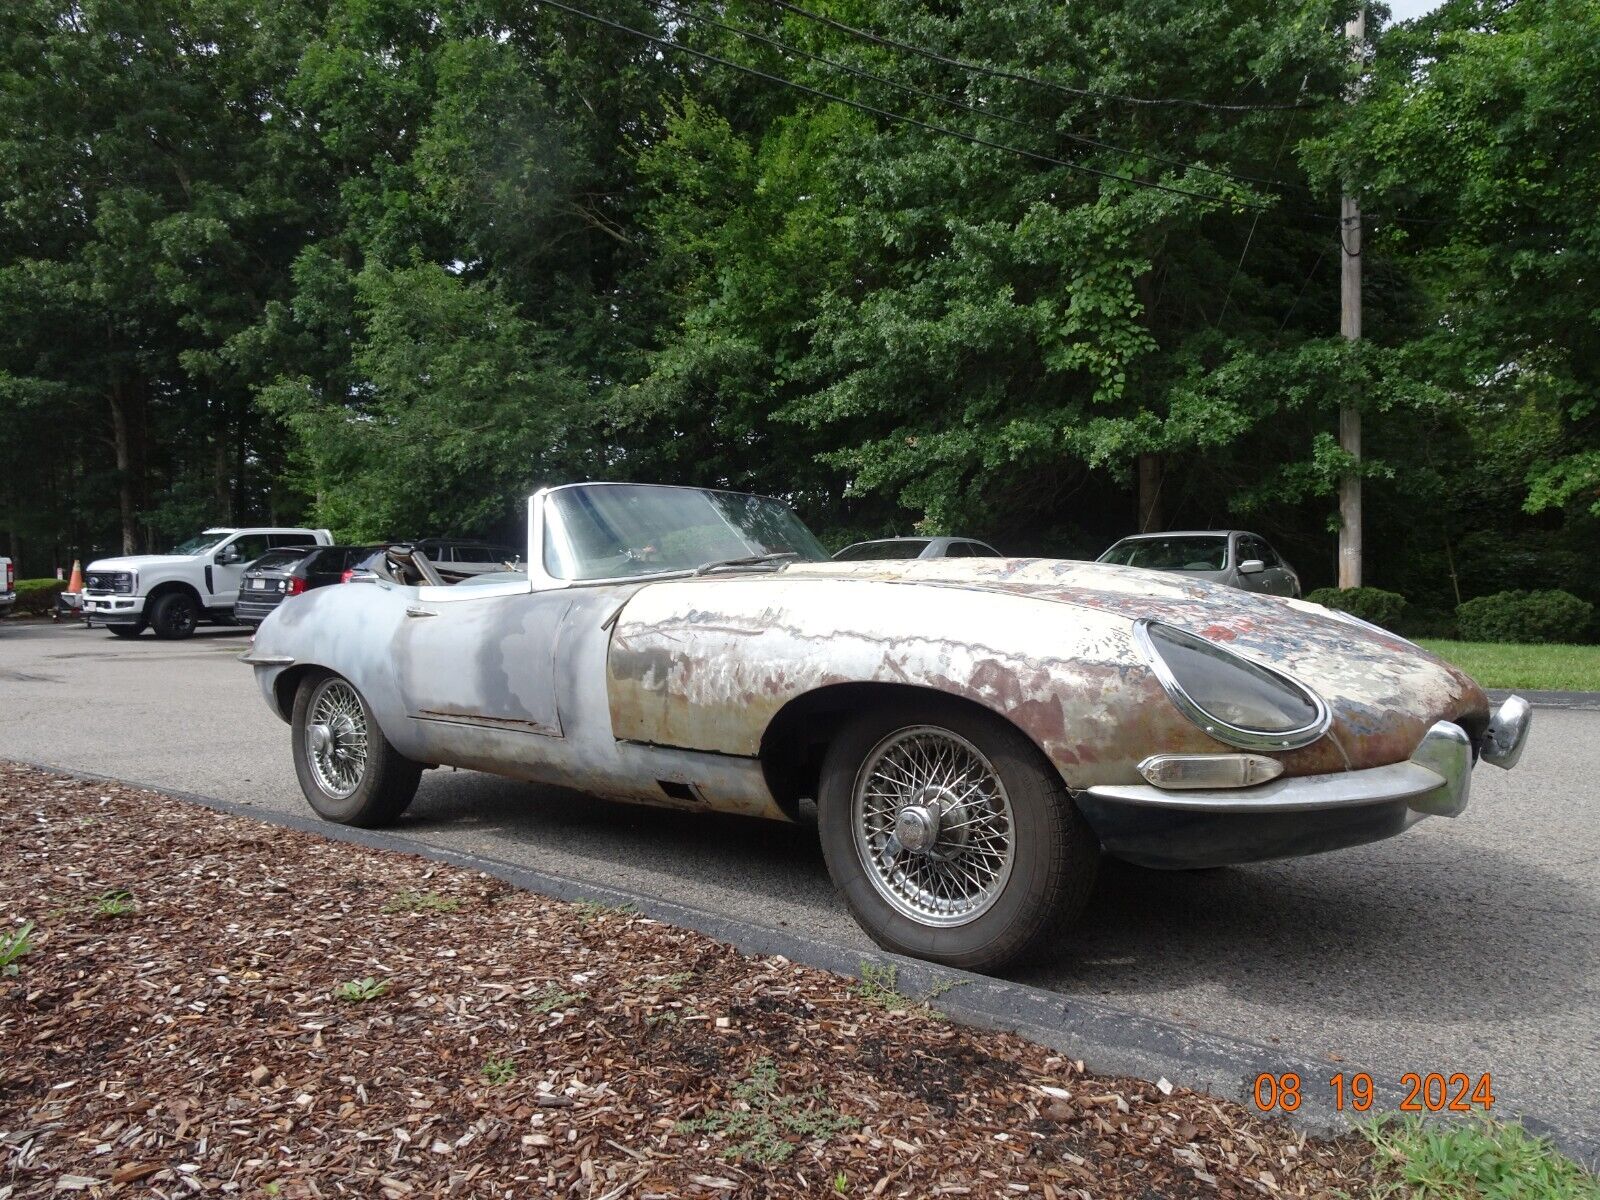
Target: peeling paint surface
{"type": "Point", "coordinates": [1048, 644]}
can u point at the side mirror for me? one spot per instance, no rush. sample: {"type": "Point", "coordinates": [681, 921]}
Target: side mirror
{"type": "Point", "coordinates": [1251, 565]}
{"type": "Point", "coordinates": [229, 555]}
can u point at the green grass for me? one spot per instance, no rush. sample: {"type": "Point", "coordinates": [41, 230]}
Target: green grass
{"type": "Point", "coordinates": [1478, 1160]}
{"type": "Point", "coordinates": [117, 903]}
{"type": "Point", "coordinates": [1502, 665]}
{"type": "Point", "coordinates": [759, 1128]}
{"type": "Point", "coordinates": [411, 902]}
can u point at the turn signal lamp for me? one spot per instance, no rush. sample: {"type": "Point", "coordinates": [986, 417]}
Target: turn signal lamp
{"type": "Point", "coordinates": [1176, 772]}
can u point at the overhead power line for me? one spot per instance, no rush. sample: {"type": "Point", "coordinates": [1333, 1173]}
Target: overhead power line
{"type": "Point", "coordinates": [950, 102]}
{"type": "Point", "coordinates": [901, 118]}
{"type": "Point", "coordinates": [1020, 77]}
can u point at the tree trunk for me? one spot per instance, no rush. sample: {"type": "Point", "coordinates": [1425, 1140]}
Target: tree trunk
{"type": "Point", "coordinates": [122, 439]}
{"type": "Point", "coordinates": [222, 493]}
{"type": "Point", "coordinates": [1151, 474]}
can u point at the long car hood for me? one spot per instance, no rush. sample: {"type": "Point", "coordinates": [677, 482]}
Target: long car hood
{"type": "Point", "coordinates": [1385, 691]}
{"type": "Point", "coordinates": [134, 562]}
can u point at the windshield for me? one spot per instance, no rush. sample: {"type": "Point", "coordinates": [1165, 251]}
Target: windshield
{"type": "Point", "coordinates": [276, 560]}
{"type": "Point", "coordinates": [1171, 553]}
{"type": "Point", "coordinates": [198, 544]}
{"type": "Point", "coordinates": [611, 531]}
{"type": "Point", "coordinates": [904, 548]}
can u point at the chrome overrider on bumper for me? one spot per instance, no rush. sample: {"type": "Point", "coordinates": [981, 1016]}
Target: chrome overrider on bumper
{"type": "Point", "coordinates": [1435, 781]}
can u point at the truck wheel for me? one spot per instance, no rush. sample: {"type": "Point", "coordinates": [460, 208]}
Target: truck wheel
{"type": "Point", "coordinates": [347, 769]}
{"type": "Point", "coordinates": [951, 837]}
{"type": "Point", "coordinates": [174, 616]}
{"type": "Point", "coordinates": [126, 631]}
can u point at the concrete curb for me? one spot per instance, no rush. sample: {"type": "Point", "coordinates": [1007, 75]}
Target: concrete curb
{"type": "Point", "coordinates": [1581, 701]}
{"type": "Point", "coordinates": [1108, 1040]}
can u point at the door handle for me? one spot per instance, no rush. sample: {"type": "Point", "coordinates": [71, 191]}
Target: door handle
{"type": "Point", "coordinates": [416, 610]}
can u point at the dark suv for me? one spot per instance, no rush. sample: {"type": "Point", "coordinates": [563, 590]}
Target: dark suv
{"type": "Point", "coordinates": [279, 574]}
{"type": "Point", "coordinates": [455, 557]}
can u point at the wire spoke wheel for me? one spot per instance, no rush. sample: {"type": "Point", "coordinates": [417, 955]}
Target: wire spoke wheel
{"type": "Point", "coordinates": [336, 738]}
{"type": "Point", "coordinates": [933, 826]}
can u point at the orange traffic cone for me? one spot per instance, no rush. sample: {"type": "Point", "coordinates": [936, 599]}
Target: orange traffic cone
{"type": "Point", "coordinates": [75, 583]}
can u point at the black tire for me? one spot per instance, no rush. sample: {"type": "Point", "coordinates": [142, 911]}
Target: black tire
{"type": "Point", "coordinates": [386, 780]}
{"type": "Point", "coordinates": [1055, 855]}
{"type": "Point", "coordinates": [174, 616]}
{"type": "Point", "coordinates": [127, 631]}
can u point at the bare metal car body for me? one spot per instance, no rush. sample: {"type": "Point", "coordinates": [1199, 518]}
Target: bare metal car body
{"type": "Point", "coordinates": [718, 690]}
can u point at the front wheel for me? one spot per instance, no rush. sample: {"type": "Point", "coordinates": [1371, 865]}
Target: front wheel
{"type": "Point", "coordinates": [347, 769]}
{"type": "Point", "coordinates": [951, 837]}
{"type": "Point", "coordinates": [174, 616]}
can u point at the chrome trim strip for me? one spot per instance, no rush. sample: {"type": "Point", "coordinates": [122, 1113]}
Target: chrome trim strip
{"type": "Point", "coordinates": [266, 660]}
{"type": "Point", "coordinates": [1232, 735]}
{"type": "Point", "coordinates": [1435, 781]}
{"type": "Point", "coordinates": [1508, 733]}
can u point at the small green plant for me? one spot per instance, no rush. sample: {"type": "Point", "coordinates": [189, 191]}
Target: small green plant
{"type": "Point", "coordinates": [943, 986]}
{"type": "Point", "coordinates": [592, 910]}
{"type": "Point", "coordinates": [759, 1128]}
{"type": "Point", "coordinates": [115, 903]}
{"type": "Point", "coordinates": [553, 997]}
{"type": "Point", "coordinates": [358, 990]}
{"type": "Point", "coordinates": [15, 945]}
{"type": "Point", "coordinates": [841, 1183]}
{"type": "Point", "coordinates": [411, 902]}
{"type": "Point", "coordinates": [500, 1070]}
{"type": "Point", "coordinates": [1417, 1160]}
{"type": "Point", "coordinates": [879, 985]}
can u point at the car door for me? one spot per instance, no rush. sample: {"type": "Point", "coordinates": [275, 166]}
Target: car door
{"type": "Point", "coordinates": [1272, 579]}
{"type": "Point", "coordinates": [227, 566]}
{"type": "Point", "coordinates": [1281, 580]}
{"type": "Point", "coordinates": [476, 670]}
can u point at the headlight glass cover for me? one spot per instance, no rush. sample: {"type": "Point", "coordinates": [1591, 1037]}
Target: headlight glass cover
{"type": "Point", "coordinates": [1236, 700]}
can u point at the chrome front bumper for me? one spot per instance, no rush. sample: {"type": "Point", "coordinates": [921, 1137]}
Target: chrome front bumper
{"type": "Point", "coordinates": [1435, 781]}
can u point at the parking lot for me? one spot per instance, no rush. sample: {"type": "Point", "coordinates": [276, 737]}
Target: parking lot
{"type": "Point", "coordinates": [1463, 946]}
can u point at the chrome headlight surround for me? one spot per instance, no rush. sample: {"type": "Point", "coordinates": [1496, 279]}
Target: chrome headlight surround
{"type": "Point", "coordinates": [1244, 737]}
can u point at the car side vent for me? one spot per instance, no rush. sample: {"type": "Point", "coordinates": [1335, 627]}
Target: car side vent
{"type": "Point", "coordinates": [678, 791]}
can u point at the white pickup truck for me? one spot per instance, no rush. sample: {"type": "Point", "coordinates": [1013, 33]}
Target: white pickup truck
{"type": "Point", "coordinates": [172, 593]}
{"type": "Point", "coordinates": [8, 582]}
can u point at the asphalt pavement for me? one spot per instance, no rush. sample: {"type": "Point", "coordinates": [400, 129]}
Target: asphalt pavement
{"type": "Point", "coordinates": [1467, 946]}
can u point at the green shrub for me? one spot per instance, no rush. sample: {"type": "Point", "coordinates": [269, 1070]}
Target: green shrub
{"type": "Point", "coordinates": [37, 597]}
{"type": "Point", "coordinates": [1368, 603]}
{"type": "Point", "coordinates": [1526, 617]}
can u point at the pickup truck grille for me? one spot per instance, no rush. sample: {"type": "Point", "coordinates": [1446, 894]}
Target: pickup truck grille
{"type": "Point", "coordinates": [118, 582]}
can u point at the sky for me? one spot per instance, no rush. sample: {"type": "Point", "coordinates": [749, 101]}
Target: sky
{"type": "Point", "coordinates": [1405, 10]}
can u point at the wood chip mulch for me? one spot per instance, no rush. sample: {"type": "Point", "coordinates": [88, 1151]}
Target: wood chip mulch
{"type": "Point", "coordinates": [215, 1005]}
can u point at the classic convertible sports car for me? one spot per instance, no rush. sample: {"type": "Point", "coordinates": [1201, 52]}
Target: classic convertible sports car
{"type": "Point", "coordinates": [975, 732]}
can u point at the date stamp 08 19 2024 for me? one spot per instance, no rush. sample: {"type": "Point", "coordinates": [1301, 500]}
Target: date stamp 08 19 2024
{"type": "Point", "coordinates": [1432, 1092]}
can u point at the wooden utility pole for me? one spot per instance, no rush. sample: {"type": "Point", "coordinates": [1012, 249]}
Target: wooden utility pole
{"type": "Point", "coordinates": [1350, 328]}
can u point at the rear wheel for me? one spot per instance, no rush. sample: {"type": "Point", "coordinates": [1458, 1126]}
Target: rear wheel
{"type": "Point", "coordinates": [174, 616]}
{"type": "Point", "coordinates": [951, 837]}
{"type": "Point", "coordinates": [347, 769]}
{"type": "Point", "coordinates": [126, 631]}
